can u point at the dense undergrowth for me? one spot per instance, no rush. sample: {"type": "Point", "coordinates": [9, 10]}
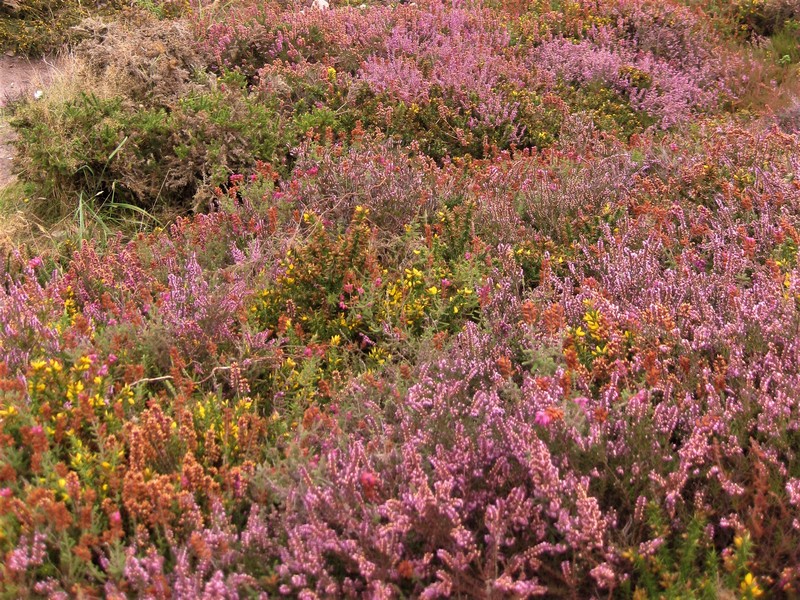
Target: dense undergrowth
{"type": "Point", "coordinates": [168, 121]}
{"type": "Point", "coordinates": [463, 300]}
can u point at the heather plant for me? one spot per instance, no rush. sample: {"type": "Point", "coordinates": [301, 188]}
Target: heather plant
{"type": "Point", "coordinates": [650, 85]}
{"type": "Point", "coordinates": [382, 178]}
{"type": "Point", "coordinates": [450, 78]}
{"type": "Point", "coordinates": [551, 354]}
{"type": "Point", "coordinates": [453, 80]}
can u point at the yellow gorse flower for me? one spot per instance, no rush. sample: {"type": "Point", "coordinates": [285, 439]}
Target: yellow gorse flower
{"type": "Point", "coordinates": [749, 586]}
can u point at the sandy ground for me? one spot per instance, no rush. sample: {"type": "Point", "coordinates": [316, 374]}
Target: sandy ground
{"type": "Point", "coordinates": [18, 77]}
{"type": "Point", "coordinates": [6, 154]}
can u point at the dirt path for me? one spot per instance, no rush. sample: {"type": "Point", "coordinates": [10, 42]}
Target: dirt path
{"type": "Point", "coordinates": [6, 154]}
{"type": "Point", "coordinates": [18, 77]}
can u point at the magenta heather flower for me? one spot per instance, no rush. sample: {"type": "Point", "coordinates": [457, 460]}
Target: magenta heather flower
{"type": "Point", "coordinates": [793, 489]}
{"type": "Point", "coordinates": [604, 575]}
{"type": "Point", "coordinates": [29, 553]}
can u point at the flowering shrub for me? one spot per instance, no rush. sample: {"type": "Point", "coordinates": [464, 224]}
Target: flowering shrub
{"type": "Point", "coordinates": [454, 80]}
{"type": "Point", "coordinates": [490, 299]}
{"type": "Point", "coordinates": [292, 397]}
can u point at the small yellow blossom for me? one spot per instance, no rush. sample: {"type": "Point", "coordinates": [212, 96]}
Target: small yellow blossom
{"type": "Point", "coordinates": [750, 586]}
{"type": "Point", "coordinates": [83, 364]}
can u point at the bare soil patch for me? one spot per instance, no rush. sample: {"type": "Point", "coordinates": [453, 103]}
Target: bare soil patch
{"type": "Point", "coordinates": [19, 77]}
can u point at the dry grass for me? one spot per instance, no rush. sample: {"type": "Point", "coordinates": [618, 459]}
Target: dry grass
{"type": "Point", "coordinates": [769, 87]}
{"type": "Point", "coordinates": [21, 223]}
{"type": "Point", "coordinates": [142, 57]}
{"type": "Point", "coordinates": [19, 228]}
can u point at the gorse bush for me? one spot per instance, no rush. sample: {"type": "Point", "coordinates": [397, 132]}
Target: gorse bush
{"type": "Point", "coordinates": [766, 17]}
{"type": "Point", "coordinates": [148, 156]}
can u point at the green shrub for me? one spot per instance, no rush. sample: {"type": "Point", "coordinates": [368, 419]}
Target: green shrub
{"type": "Point", "coordinates": [766, 17]}
{"type": "Point", "coordinates": [785, 43]}
{"type": "Point", "coordinates": [35, 27]}
{"type": "Point", "coordinates": [151, 157]}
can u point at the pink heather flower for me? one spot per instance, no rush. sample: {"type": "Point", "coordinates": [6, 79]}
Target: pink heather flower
{"type": "Point", "coordinates": [5, 492]}
{"type": "Point", "coordinates": [542, 418]}
{"type": "Point", "coordinates": [651, 547]}
{"type": "Point", "coordinates": [29, 553]}
{"type": "Point", "coordinates": [50, 589]}
{"type": "Point", "coordinates": [641, 504]}
{"type": "Point", "coordinates": [793, 489]}
{"type": "Point", "coordinates": [604, 575]}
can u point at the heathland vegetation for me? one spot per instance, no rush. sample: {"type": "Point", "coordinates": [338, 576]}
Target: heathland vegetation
{"type": "Point", "coordinates": [456, 298]}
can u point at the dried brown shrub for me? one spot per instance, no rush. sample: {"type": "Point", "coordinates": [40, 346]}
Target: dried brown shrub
{"type": "Point", "coordinates": [150, 60]}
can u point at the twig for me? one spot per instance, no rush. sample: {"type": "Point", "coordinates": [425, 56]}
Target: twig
{"type": "Point", "coordinates": [150, 380]}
